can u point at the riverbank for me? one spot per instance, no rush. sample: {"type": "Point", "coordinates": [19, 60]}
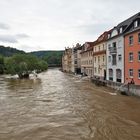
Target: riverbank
{"type": "Point", "coordinates": [124, 89]}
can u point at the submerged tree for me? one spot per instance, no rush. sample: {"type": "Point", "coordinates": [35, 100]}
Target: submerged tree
{"type": "Point", "coordinates": [24, 64]}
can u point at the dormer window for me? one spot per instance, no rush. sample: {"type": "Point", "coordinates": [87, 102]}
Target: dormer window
{"type": "Point", "coordinates": [121, 29]}
{"type": "Point", "coordinates": [136, 24]}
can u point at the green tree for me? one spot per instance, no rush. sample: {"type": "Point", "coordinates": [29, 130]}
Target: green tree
{"type": "Point", "coordinates": [23, 65]}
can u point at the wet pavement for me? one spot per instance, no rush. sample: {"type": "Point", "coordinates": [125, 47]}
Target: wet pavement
{"type": "Point", "coordinates": [59, 106]}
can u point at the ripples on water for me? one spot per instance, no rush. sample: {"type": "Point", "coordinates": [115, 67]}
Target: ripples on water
{"type": "Point", "coordinates": [58, 106]}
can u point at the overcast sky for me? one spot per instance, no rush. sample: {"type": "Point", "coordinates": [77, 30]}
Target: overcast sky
{"type": "Point", "coordinates": [33, 25]}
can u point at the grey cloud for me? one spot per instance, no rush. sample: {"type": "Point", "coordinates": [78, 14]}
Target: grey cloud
{"type": "Point", "coordinates": [93, 29]}
{"type": "Point", "coordinates": [20, 36]}
{"type": "Point", "coordinates": [12, 38]}
{"type": "Point", "coordinates": [49, 20]}
{"type": "Point", "coordinates": [8, 39]}
{"type": "Point", "coordinates": [4, 26]}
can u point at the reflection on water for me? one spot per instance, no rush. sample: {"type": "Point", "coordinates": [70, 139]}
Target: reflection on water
{"type": "Point", "coordinates": [58, 106]}
{"type": "Point", "coordinates": [18, 85]}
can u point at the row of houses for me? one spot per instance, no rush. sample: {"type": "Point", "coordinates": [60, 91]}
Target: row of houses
{"type": "Point", "coordinates": [114, 56]}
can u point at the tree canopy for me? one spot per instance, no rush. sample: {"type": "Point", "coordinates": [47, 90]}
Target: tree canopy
{"type": "Point", "coordinates": [53, 58]}
{"type": "Point", "coordinates": [24, 64]}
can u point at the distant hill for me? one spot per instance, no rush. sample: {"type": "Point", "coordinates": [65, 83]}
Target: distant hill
{"type": "Point", "coordinates": [8, 51]}
{"type": "Point", "coordinates": [53, 58]}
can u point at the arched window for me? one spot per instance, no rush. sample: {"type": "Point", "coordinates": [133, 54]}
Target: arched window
{"type": "Point", "coordinates": [111, 74]}
{"type": "Point", "coordinates": [118, 75]}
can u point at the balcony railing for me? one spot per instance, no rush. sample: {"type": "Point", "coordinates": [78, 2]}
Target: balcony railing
{"type": "Point", "coordinates": [113, 50]}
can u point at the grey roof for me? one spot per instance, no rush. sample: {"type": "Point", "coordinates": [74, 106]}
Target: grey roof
{"type": "Point", "coordinates": [128, 21]}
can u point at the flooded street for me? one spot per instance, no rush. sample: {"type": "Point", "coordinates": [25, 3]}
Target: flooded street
{"type": "Point", "coordinates": [59, 106]}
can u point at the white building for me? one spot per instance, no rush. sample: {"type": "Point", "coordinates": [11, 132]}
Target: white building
{"type": "Point", "coordinates": [115, 57]}
{"type": "Point", "coordinates": [115, 51]}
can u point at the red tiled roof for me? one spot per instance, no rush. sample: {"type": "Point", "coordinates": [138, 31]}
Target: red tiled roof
{"type": "Point", "coordinates": [103, 37]}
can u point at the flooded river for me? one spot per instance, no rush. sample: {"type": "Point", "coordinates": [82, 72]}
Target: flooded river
{"type": "Point", "coordinates": [59, 106]}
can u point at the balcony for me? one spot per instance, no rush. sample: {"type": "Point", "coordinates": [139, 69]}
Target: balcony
{"type": "Point", "coordinates": [113, 50]}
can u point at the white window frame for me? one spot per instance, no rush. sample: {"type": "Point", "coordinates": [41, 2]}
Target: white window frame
{"type": "Point", "coordinates": [139, 38]}
{"type": "Point", "coordinates": [131, 73]}
{"type": "Point", "coordinates": [131, 41]}
{"type": "Point", "coordinates": [131, 57]}
{"type": "Point", "coordinates": [119, 57]}
{"type": "Point", "coordinates": [136, 24]}
{"type": "Point", "coordinates": [138, 73]}
{"type": "Point", "coordinates": [121, 30]}
{"type": "Point", "coordinates": [139, 56]}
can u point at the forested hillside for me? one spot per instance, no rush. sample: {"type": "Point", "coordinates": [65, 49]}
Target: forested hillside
{"type": "Point", "coordinates": [8, 51]}
{"type": "Point", "coordinates": [53, 58]}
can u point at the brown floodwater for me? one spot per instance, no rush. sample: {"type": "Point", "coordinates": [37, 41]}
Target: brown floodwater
{"type": "Point", "coordinates": [59, 106]}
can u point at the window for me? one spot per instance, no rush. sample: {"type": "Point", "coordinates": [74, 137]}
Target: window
{"type": "Point", "coordinates": [131, 40]}
{"type": "Point", "coordinates": [136, 24]}
{"type": "Point", "coordinates": [99, 48]}
{"type": "Point", "coordinates": [109, 46]}
{"type": "Point", "coordinates": [98, 70]}
{"type": "Point", "coordinates": [139, 56]}
{"type": "Point", "coordinates": [119, 57]}
{"type": "Point", "coordinates": [114, 61]}
{"type": "Point", "coordinates": [131, 72]}
{"type": "Point", "coordinates": [98, 58]}
{"type": "Point", "coordinates": [95, 69]}
{"type": "Point", "coordinates": [139, 37]}
{"type": "Point", "coordinates": [111, 74]}
{"type": "Point", "coordinates": [95, 59]}
{"type": "Point", "coordinates": [103, 58]}
{"type": "Point", "coordinates": [114, 44]}
{"type": "Point", "coordinates": [139, 73]}
{"type": "Point", "coordinates": [109, 58]}
{"type": "Point", "coordinates": [114, 47]}
{"type": "Point", "coordinates": [118, 75]}
{"type": "Point", "coordinates": [130, 57]}
{"type": "Point", "coordinates": [121, 29]}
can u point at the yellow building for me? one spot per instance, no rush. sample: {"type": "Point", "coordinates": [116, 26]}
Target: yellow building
{"type": "Point", "coordinates": [67, 60]}
{"type": "Point", "coordinates": [99, 57]}
{"type": "Point", "coordinates": [87, 59]}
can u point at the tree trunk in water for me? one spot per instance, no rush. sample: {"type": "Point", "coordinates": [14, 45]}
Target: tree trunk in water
{"type": "Point", "coordinates": [23, 76]}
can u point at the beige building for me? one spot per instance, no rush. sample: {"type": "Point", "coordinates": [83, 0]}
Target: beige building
{"type": "Point", "coordinates": [77, 58]}
{"type": "Point", "coordinates": [87, 59]}
{"type": "Point", "coordinates": [99, 57]}
{"type": "Point", "coordinates": [67, 60]}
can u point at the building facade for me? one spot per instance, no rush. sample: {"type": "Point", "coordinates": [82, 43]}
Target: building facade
{"type": "Point", "coordinates": [77, 58]}
{"type": "Point", "coordinates": [99, 57]}
{"type": "Point", "coordinates": [115, 57]}
{"type": "Point", "coordinates": [115, 51]}
{"type": "Point", "coordinates": [132, 52]}
{"type": "Point", "coordinates": [87, 59]}
{"type": "Point", "coordinates": [67, 60]}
